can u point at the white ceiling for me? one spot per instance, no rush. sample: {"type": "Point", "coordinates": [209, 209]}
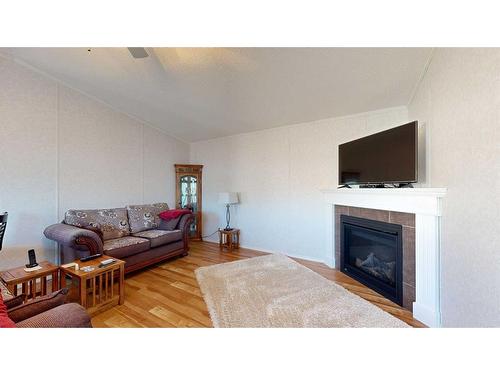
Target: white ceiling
{"type": "Point", "coordinates": [202, 93]}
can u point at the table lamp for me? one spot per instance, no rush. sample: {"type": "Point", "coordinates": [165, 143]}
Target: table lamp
{"type": "Point", "coordinates": [228, 199]}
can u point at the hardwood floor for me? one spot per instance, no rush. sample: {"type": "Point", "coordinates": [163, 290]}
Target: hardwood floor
{"type": "Point", "coordinates": [167, 295]}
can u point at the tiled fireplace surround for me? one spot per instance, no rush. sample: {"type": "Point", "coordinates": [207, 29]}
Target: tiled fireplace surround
{"type": "Point", "coordinates": [419, 211]}
{"type": "Point", "coordinates": [407, 221]}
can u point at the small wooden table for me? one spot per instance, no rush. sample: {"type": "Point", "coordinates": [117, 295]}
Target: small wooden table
{"type": "Point", "coordinates": [229, 239]}
{"type": "Point", "coordinates": [28, 281]}
{"type": "Point", "coordinates": [96, 288]}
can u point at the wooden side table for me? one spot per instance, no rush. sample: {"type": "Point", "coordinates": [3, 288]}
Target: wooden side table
{"type": "Point", "coordinates": [229, 239]}
{"type": "Point", "coordinates": [29, 281]}
{"type": "Point", "coordinates": [97, 287]}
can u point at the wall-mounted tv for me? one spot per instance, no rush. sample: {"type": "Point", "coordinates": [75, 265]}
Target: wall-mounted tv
{"type": "Point", "coordinates": [388, 157]}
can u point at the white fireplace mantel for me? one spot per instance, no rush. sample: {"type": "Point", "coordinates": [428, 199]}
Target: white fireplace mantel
{"type": "Point", "coordinates": [425, 203]}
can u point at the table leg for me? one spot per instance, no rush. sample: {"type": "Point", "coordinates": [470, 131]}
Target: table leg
{"type": "Point", "coordinates": [107, 282]}
{"type": "Point", "coordinates": [24, 289]}
{"type": "Point", "coordinates": [93, 282]}
{"type": "Point", "coordinates": [101, 286]}
{"type": "Point", "coordinates": [122, 284]}
{"type": "Point", "coordinates": [43, 286]}
{"type": "Point", "coordinates": [55, 281]}
{"type": "Point", "coordinates": [112, 287]}
{"type": "Point", "coordinates": [62, 275]}
{"type": "Point", "coordinates": [32, 288]}
{"type": "Point", "coordinates": [83, 292]}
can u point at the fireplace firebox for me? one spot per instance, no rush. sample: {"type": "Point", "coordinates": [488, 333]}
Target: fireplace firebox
{"type": "Point", "coordinates": [372, 253]}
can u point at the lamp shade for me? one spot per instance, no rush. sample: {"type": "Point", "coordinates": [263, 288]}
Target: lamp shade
{"type": "Point", "coordinates": [228, 198]}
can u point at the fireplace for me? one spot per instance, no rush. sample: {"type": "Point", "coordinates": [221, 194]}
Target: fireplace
{"type": "Point", "coordinates": [372, 252]}
{"type": "Point", "coordinates": [418, 211]}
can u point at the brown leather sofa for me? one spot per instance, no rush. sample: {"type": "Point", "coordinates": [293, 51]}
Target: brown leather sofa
{"type": "Point", "coordinates": [135, 234]}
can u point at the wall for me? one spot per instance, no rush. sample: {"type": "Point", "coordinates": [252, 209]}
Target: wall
{"type": "Point", "coordinates": [459, 102]}
{"type": "Point", "coordinates": [61, 149]}
{"type": "Point", "coordinates": [278, 174]}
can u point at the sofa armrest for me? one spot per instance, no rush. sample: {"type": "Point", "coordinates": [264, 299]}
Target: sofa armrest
{"type": "Point", "coordinates": [185, 222]}
{"type": "Point", "coordinates": [69, 315]}
{"type": "Point", "coordinates": [37, 306]}
{"type": "Point", "coordinates": [75, 237]}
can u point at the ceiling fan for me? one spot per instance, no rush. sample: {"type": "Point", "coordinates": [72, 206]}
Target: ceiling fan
{"type": "Point", "coordinates": [138, 52]}
{"type": "Point", "coordinates": [195, 57]}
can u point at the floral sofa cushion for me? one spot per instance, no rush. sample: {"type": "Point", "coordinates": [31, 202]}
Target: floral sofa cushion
{"type": "Point", "coordinates": [145, 216]}
{"type": "Point", "coordinates": [126, 246]}
{"type": "Point", "coordinates": [112, 222]}
{"type": "Point", "coordinates": [123, 242]}
{"type": "Point", "coordinates": [160, 237]}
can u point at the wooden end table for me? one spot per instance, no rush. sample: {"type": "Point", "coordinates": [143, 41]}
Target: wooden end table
{"type": "Point", "coordinates": [229, 239]}
{"type": "Point", "coordinates": [96, 288]}
{"type": "Point", "coordinates": [28, 281]}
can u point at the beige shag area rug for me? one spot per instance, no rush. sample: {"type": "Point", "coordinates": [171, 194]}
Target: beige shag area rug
{"type": "Point", "coordinates": [275, 291]}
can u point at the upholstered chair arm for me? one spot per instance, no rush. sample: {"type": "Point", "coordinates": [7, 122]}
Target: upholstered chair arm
{"type": "Point", "coordinates": [14, 301]}
{"type": "Point", "coordinates": [77, 238]}
{"type": "Point", "coordinates": [69, 315]}
{"type": "Point", "coordinates": [37, 305]}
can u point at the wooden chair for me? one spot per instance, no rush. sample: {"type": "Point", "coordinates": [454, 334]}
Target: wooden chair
{"type": "Point", "coordinates": [3, 224]}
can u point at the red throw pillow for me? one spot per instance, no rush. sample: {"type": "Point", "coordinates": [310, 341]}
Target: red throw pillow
{"type": "Point", "coordinates": [173, 214]}
{"type": "Point", "coordinates": [5, 321]}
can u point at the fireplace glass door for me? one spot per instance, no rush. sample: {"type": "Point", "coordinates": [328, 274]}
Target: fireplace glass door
{"type": "Point", "coordinates": [371, 253]}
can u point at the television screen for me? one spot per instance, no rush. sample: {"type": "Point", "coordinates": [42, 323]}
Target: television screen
{"type": "Point", "coordinates": [386, 157]}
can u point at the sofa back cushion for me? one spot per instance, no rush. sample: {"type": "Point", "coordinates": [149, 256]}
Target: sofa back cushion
{"type": "Point", "coordinates": [112, 222]}
{"type": "Point", "coordinates": [145, 216]}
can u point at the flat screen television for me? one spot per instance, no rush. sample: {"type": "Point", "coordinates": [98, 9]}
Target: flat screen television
{"type": "Point", "coordinates": [388, 157]}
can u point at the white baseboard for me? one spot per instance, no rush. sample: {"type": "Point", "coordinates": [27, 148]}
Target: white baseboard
{"type": "Point", "coordinates": [330, 262]}
{"type": "Point", "coordinates": [427, 316]}
{"type": "Point", "coordinates": [312, 259]}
